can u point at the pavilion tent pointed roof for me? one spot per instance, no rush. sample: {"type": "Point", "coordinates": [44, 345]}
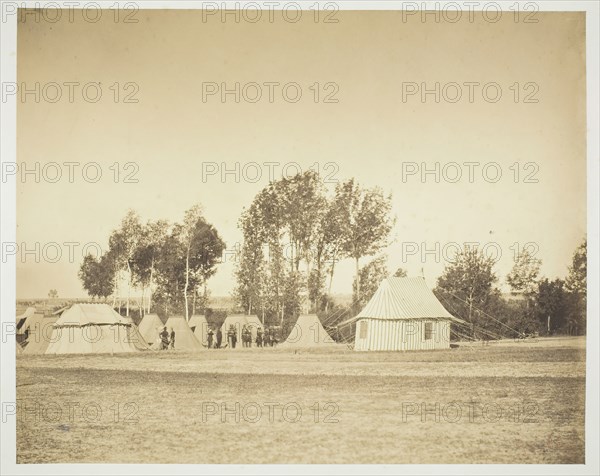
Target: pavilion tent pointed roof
{"type": "Point", "coordinates": [60, 311]}
{"type": "Point", "coordinates": [91, 329]}
{"type": "Point", "coordinates": [404, 298]}
{"type": "Point", "coordinates": [308, 332]}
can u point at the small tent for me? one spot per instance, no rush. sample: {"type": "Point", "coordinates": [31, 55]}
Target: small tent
{"type": "Point", "coordinates": [135, 337]}
{"type": "Point", "coordinates": [91, 329]}
{"type": "Point", "coordinates": [199, 326]}
{"type": "Point", "coordinates": [40, 336]}
{"type": "Point", "coordinates": [308, 332]}
{"type": "Point", "coordinates": [32, 322]}
{"type": "Point", "coordinates": [403, 314]}
{"type": "Point", "coordinates": [184, 337]}
{"type": "Point", "coordinates": [238, 321]}
{"type": "Point", "coordinates": [150, 327]}
{"type": "Point", "coordinates": [21, 323]}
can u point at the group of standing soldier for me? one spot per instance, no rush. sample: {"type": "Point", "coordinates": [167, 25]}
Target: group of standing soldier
{"type": "Point", "coordinates": [167, 339]}
{"type": "Point", "coordinates": [266, 339]}
{"type": "Point", "coordinates": [263, 339]}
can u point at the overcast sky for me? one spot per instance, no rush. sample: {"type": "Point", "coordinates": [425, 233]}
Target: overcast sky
{"type": "Point", "coordinates": [371, 133]}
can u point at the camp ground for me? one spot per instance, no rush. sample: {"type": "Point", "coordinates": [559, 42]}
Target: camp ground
{"type": "Point", "coordinates": [404, 361]}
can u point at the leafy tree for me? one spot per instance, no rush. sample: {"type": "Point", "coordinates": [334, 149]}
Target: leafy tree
{"type": "Point", "coordinates": [467, 287]}
{"type": "Point", "coordinates": [170, 269]}
{"type": "Point", "coordinates": [551, 305]}
{"type": "Point", "coordinates": [371, 277]}
{"type": "Point", "coordinates": [146, 255]}
{"type": "Point", "coordinates": [301, 202]}
{"type": "Point", "coordinates": [250, 269]}
{"type": "Point", "coordinates": [577, 278]}
{"type": "Point", "coordinates": [53, 294]}
{"type": "Point", "coordinates": [298, 223]}
{"type": "Point", "coordinates": [202, 247]}
{"type": "Point", "coordinates": [523, 278]}
{"type": "Point", "coordinates": [576, 286]}
{"type": "Point", "coordinates": [97, 276]}
{"type": "Point", "coordinates": [206, 252]}
{"type": "Point", "coordinates": [331, 240]}
{"type": "Point", "coordinates": [122, 245]}
{"type": "Point", "coordinates": [286, 218]}
{"type": "Point", "coordinates": [400, 273]}
{"type": "Point", "coordinates": [519, 315]}
{"type": "Point", "coordinates": [365, 222]}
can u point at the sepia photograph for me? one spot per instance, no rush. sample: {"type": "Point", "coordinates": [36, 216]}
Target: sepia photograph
{"type": "Point", "coordinates": [239, 235]}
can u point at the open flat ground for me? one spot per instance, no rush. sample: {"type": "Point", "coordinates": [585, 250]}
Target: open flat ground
{"type": "Point", "coordinates": [508, 402]}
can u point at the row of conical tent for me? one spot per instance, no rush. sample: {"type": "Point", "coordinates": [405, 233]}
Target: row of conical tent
{"type": "Point", "coordinates": [97, 328]}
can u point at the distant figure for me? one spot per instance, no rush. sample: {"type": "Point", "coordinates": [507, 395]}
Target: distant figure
{"type": "Point", "coordinates": [172, 338]}
{"type": "Point", "coordinates": [259, 337]}
{"type": "Point", "coordinates": [232, 336]}
{"type": "Point", "coordinates": [219, 338]}
{"type": "Point", "coordinates": [274, 339]}
{"type": "Point", "coordinates": [210, 338]}
{"type": "Point", "coordinates": [247, 337]}
{"type": "Point", "coordinates": [164, 339]}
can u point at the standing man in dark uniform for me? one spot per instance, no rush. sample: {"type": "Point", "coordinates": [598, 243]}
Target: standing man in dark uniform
{"type": "Point", "coordinates": [172, 338]}
{"type": "Point", "coordinates": [246, 337]}
{"type": "Point", "coordinates": [219, 338]}
{"type": "Point", "coordinates": [232, 336]}
{"type": "Point", "coordinates": [164, 339]}
{"type": "Point", "coordinates": [210, 337]}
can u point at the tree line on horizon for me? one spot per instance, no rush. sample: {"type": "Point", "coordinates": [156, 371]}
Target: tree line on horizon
{"type": "Point", "coordinates": [295, 232]}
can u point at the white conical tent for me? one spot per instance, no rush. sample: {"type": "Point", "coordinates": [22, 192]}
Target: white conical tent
{"type": "Point", "coordinates": [254, 323]}
{"type": "Point", "coordinates": [40, 336]}
{"type": "Point", "coordinates": [135, 337]}
{"type": "Point", "coordinates": [199, 326]}
{"type": "Point", "coordinates": [184, 337]}
{"type": "Point", "coordinates": [150, 327]}
{"type": "Point", "coordinates": [308, 332]}
{"type": "Point", "coordinates": [22, 319]}
{"type": "Point", "coordinates": [91, 329]}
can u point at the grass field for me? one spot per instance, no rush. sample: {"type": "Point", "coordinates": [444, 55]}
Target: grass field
{"type": "Point", "coordinates": [514, 402]}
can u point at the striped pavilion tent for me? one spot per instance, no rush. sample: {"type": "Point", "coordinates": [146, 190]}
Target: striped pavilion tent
{"type": "Point", "coordinates": [403, 314]}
